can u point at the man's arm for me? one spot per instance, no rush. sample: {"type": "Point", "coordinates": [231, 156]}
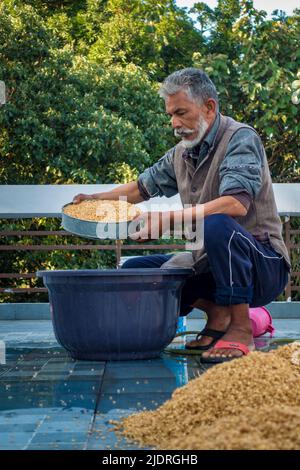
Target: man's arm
{"type": "Point", "coordinates": [156, 222]}
{"type": "Point", "coordinates": [241, 169]}
{"type": "Point", "coordinates": [158, 180]}
{"type": "Point", "coordinates": [130, 190]}
{"type": "Point", "coordinates": [222, 205]}
{"type": "Point", "coordinates": [240, 182]}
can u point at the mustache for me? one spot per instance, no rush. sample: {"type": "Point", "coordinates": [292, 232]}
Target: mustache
{"type": "Point", "coordinates": [183, 131]}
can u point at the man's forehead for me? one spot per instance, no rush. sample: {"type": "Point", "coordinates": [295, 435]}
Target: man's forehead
{"type": "Point", "coordinates": [177, 101]}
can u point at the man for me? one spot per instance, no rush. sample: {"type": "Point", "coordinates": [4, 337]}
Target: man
{"type": "Point", "coordinates": [220, 168]}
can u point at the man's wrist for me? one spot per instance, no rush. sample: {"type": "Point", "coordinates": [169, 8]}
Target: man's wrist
{"type": "Point", "coordinates": [176, 220]}
{"type": "Point", "coordinates": [95, 196]}
{"type": "Point", "coordinates": [100, 196]}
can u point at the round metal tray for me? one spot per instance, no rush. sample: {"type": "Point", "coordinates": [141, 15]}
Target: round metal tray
{"type": "Point", "coordinates": [89, 229]}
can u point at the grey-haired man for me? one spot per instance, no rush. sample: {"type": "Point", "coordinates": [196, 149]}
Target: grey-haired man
{"type": "Point", "coordinates": [220, 170]}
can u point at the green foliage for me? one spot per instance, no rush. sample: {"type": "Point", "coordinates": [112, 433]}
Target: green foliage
{"type": "Point", "coordinates": [254, 76]}
{"type": "Point", "coordinates": [156, 36]}
{"type": "Point", "coordinates": [121, 173]}
{"type": "Point", "coordinates": [296, 89]}
{"type": "Point", "coordinates": [67, 119]}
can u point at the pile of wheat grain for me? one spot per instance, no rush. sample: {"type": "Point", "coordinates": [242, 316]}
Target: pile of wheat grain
{"type": "Point", "coordinates": [103, 211]}
{"type": "Point", "coordinates": [248, 403]}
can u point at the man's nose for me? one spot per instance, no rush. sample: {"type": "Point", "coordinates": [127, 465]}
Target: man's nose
{"type": "Point", "coordinates": [176, 123]}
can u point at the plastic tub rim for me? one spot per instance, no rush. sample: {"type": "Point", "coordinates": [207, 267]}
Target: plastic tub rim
{"type": "Point", "coordinates": [114, 272]}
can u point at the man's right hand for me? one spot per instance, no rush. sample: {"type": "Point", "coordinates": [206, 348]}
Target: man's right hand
{"type": "Point", "coordinates": [130, 190]}
{"type": "Point", "coordinates": [82, 197]}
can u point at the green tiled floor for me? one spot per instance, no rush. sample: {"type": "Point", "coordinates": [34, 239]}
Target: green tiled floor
{"type": "Point", "coordinates": [50, 401]}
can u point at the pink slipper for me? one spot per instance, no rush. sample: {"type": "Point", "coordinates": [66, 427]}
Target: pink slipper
{"type": "Point", "coordinates": [221, 344]}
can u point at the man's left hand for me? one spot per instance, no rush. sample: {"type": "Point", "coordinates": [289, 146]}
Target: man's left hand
{"type": "Point", "coordinates": [148, 226]}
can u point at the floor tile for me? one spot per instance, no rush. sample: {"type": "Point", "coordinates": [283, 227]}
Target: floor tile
{"type": "Point", "coordinates": [137, 401]}
{"type": "Point", "coordinates": [103, 436]}
{"type": "Point", "coordinates": [50, 401]}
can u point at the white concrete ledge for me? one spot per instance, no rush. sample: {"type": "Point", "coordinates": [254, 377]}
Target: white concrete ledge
{"type": "Point", "coordinates": [26, 201]}
{"type": "Point", "coordinates": [41, 311]}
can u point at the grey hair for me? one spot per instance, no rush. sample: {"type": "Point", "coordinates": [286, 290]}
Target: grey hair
{"type": "Point", "coordinates": [195, 82]}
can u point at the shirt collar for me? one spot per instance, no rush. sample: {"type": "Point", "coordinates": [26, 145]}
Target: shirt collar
{"type": "Point", "coordinates": [210, 137]}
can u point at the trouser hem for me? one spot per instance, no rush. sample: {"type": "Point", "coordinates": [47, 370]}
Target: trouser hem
{"type": "Point", "coordinates": [233, 295]}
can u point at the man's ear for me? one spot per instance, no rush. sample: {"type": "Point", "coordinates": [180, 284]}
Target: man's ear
{"type": "Point", "coordinates": [211, 106]}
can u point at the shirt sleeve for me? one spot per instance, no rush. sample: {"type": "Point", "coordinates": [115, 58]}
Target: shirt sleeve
{"type": "Point", "coordinates": [159, 179]}
{"type": "Point", "coordinates": [241, 195]}
{"type": "Point", "coordinates": [243, 163]}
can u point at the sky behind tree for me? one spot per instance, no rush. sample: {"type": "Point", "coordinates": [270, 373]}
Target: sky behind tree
{"type": "Point", "coordinates": [268, 5]}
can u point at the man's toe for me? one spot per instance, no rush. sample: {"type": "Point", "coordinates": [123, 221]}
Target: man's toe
{"type": "Point", "coordinates": [206, 354]}
{"type": "Point", "coordinates": [234, 353]}
{"type": "Point", "coordinates": [225, 353]}
{"type": "Point", "coordinates": [218, 352]}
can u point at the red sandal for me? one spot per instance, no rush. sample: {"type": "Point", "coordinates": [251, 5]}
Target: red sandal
{"type": "Point", "coordinates": [221, 344]}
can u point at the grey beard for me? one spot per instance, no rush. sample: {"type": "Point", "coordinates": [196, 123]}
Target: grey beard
{"type": "Point", "coordinates": [202, 128]}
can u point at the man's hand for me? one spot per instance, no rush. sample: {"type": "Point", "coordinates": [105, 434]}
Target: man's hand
{"type": "Point", "coordinates": [129, 190]}
{"type": "Point", "coordinates": [82, 197]}
{"type": "Point", "coordinates": [149, 226]}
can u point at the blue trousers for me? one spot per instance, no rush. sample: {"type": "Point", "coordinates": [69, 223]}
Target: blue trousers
{"type": "Point", "coordinates": [242, 269]}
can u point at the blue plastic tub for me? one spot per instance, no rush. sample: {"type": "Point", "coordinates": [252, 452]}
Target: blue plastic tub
{"type": "Point", "coordinates": [115, 314]}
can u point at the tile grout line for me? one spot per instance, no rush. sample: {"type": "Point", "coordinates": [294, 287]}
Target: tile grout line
{"type": "Point", "coordinates": [40, 422]}
{"type": "Point", "coordinates": [96, 407]}
{"type": "Point", "coordinates": [34, 433]}
{"type": "Point", "coordinates": [10, 368]}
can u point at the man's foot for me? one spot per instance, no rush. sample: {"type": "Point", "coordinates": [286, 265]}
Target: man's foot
{"type": "Point", "coordinates": [218, 319]}
{"type": "Point", "coordinates": [218, 324]}
{"type": "Point", "coordinates": [214, 334]}
{"type": "Point", "coordinates": [235, 335]}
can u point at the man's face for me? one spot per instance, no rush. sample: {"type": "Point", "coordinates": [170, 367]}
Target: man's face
{"type": "Point", "coordinates": [190, 121]}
